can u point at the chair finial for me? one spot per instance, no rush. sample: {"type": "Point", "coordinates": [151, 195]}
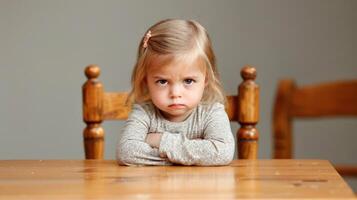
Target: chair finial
{"type": "Point", "coordinates": [248, 72]}
{"type": "Point", "coordinates": [92, 71]}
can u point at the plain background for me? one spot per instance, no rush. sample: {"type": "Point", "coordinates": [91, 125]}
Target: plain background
{"type": "Point", "coordinates": [46, 44]}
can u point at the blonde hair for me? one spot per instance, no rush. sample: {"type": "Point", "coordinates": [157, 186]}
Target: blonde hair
{"type": "Point", "coordinates": [171, 40]}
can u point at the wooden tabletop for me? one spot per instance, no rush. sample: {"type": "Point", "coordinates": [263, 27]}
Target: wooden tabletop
{"type": "Point", "coordinates": [81, 179]}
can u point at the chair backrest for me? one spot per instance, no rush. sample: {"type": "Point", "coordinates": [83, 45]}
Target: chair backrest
{"type": "Point", "coordinates": [329, 99]}
{"type": "Point", "coordinates": [99, 105]}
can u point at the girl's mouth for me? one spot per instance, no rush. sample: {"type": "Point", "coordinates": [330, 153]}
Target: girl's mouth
{"type": "Point", "coordinates": [177, 106]}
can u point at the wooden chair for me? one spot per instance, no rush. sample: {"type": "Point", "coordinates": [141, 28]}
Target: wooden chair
{"type": "Point", "coordinates": [337, 99]}
{"type": "Point", "coordinates": [99, 106]}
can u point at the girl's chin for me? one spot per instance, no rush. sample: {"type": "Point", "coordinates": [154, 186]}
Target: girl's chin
{"type": "Point", "coordinates": [177, 115]}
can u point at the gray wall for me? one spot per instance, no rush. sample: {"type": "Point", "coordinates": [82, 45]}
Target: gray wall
{"type": "Point", "coordinates": [45, 45]}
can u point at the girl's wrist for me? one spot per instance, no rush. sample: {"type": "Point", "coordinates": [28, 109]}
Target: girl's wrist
{"type": "Point", "coordinates": [153, 139]}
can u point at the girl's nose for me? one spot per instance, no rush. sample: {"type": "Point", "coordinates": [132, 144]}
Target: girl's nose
{"type": "Point", "coordinates": [175, 91]}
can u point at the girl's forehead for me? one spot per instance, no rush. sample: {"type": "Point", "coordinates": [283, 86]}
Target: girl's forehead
{"type": "Point", "coordinates": [182, 63]}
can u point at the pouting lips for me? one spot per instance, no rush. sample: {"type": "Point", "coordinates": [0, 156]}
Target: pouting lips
{"type": "Point", "coordinates": [177, 106]}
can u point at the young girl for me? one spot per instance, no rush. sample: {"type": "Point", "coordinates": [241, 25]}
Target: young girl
{"type": "Point", "coordinates": [178, 115]}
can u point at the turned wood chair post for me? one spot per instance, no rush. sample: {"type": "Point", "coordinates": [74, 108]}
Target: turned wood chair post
{"type": "Point", "coordinates": [93, 134]}
{"type": "Point", "coordinates": [248, 107]}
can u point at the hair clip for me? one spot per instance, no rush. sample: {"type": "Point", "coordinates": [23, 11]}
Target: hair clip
{"type": "Point", "coordinates": [146, 39]}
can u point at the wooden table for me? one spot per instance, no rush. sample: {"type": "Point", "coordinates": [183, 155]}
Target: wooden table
{"type": "Point", "coordinates": [80, 179]}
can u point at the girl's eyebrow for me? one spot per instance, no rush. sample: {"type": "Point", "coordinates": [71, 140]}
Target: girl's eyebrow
{"type": "Point", "coordinates": [159, 77]}
{"type": "Point", "coordinates": [192, 77]}
{"type": "Point", "coordinates": [186, 77]}
{"type": "Point", "coordinates": [165, 77]}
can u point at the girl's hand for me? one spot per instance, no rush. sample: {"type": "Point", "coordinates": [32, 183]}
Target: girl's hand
{"type": "Point", "coordinates": [153, 139]}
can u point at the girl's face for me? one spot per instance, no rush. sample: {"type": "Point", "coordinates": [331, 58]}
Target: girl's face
{"type": "Point", "coordinates": [176, 88]}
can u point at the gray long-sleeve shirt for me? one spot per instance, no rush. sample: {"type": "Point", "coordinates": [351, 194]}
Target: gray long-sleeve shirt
{"type": "Point", "coordinates": [204, 138]}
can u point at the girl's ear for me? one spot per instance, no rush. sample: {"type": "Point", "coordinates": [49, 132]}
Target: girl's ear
{"type": "Point", "coordinates": [206, 79]}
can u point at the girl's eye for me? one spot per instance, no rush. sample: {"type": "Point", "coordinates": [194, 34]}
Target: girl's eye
{"type": "Point", "coordinates": [161, 82]}
{"type": "Point", "coordinates": [189, 81]}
